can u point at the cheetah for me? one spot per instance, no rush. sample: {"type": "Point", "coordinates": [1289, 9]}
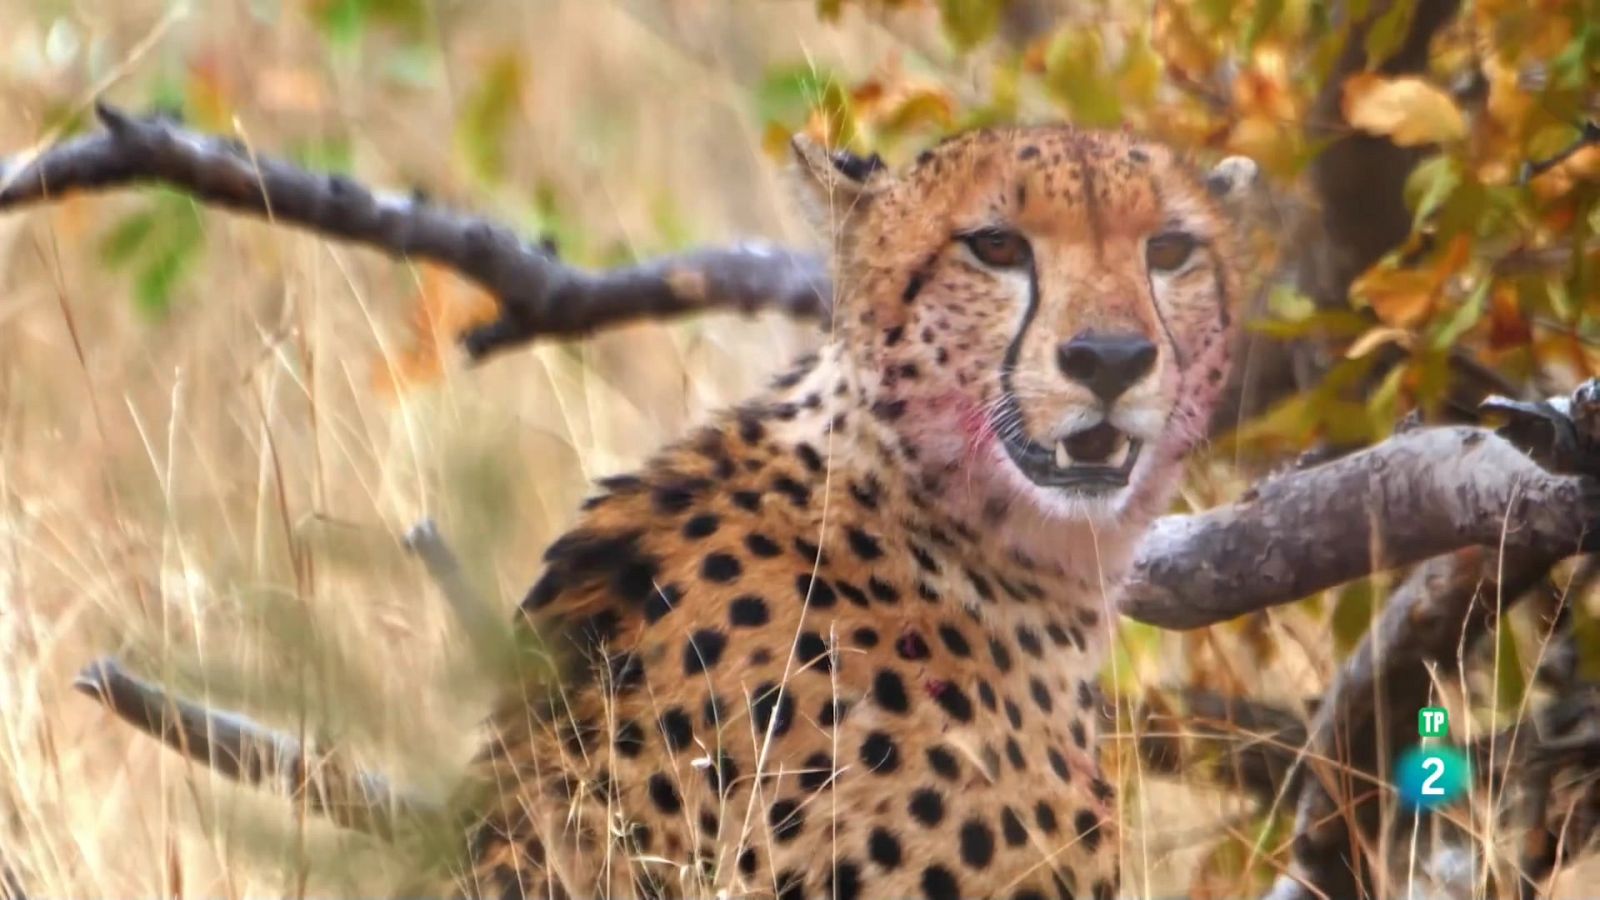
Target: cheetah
{"type": "Point", "coordinates": [843, 640]}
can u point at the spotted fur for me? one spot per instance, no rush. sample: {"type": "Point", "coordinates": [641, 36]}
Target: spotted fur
{"type": "Point", "coordinates": [834, 643]}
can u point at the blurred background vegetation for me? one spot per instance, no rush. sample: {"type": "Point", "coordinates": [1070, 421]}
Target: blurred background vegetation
{"type": "Point", "coordinates": [212, 431]}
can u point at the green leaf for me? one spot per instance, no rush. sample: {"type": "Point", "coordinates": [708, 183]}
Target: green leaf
{"type": "Point", "coordinates": [160, 243]}
{"type": "Point", "coordinates": [1464, 317]}
{"type": "Point", "coordinates": [1385, 35]}
{"type": "Point", "coordinates": [1352, 616]}
{"type": "Point", "coordinates": [1510, 683]}
{"type": "Point", "coordinates": [1262, 18]}
{"type": "Point", "coordinates": [489, 113]}
{"type": "Point", "coordinates": [157, 280]}
{"type": "Point", "coordinates": [969, 23]}
{"type": "Point", "coordinates": [1075, 76]}
{"type": "Point", "coordinates": [127, 238]}
{"type": "Point", "coordinates": [1429, 185]}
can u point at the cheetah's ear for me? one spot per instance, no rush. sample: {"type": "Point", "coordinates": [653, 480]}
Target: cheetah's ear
{"type": "Point", "coordinates": [833, 185]}
{"type": "Point", "coordinates": [1233, 180]}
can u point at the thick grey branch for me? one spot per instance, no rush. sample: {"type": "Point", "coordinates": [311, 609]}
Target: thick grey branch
{"type": "Point", "coordinates": [538, 295]}
{"type": "Point", "coordinates": [247, 752]}
{"type": "Point", "coordinates": [1413, 497]}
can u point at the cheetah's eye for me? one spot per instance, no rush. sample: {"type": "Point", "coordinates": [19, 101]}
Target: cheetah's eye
{"type": "Point", "coordinates": [1169, 251]}
{"type": "Point", "coordinates": [998, 248]}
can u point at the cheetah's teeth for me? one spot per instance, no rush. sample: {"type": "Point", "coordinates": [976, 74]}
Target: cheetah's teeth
{"type": "Point", "coordinates": [1063, 458]}
{"type": "Point", "coordinates": [1119, 456]}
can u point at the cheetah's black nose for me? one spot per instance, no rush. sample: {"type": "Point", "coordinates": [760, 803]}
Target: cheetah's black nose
{"type": "Point", "coordinates": [1106, 363]}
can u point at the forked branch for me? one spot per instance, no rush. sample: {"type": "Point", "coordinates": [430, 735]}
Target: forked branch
{"type": "Point", "coordinates": [538, 295]}
{"type": "Point", "coordinates": [251, 754]}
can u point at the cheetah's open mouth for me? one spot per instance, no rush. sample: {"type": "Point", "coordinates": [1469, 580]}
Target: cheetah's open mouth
{"type": "Point", "coordinates": [1095, 459]}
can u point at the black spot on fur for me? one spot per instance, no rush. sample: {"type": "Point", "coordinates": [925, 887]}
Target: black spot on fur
{"type": "Point", "coordinates": [954, 640]}
{"type": "Point", "coordinates": [629, 738]}
{"type": "Point", "coordinates": [700, 526]}
{"type": "Point", "coordinates": [809, 457]}
{"type": "Point", "coordinates": [817, 772]}
{"type": "Point", "coordinates": [772, 709]}
{"type": "Point", "coordinates": [720, 568]}
{"type": "Point", "coordinates": [1058, 764]}
{"type": "Point", "coordinates": [889, 692]}
{"type": "Point", "coordinates": [787, 818]}
{"type": "Point", "coordinates": [879, 753]}
{"type": "Point", "coordinates": [883, 591]}
{"type": "Point", "coordinates": [722, 773]}
{"type": "Point", "coordinates": [676, 728]}
{"type": "Point", "coordinates": [1011, 828]}
{"type": "Point", "coordinates": [815, 591]}
{"type": "Point", "coordinates": [662, 602]}
{"type": "Point", "coordinates": [703, 650]}
{"type": "Point", "coordinates": [884, 849]}
{"type": "Point", "coordinates": [1045, 817]}
{"type": "Point", "coordinates": [798, 494]}
{"type": "Point", "coordinates": [1028, 640]}
{"type": "Point", "coordinates": [664, 795]}
{"type": "Point", "coordinates": [674, 495]}
{"type": "Point", "coordinates": [866, 492]}
{"type": "Point", "coordinates": [852, 593]}
{"type": "Point", "coordinates": [748, 611]}
{"type": "Point", "coordinates": [986, 695]}
{"type": "Point", "coordinates": [977, 844]}
{"type": "Point", "coordinates": [939, 884]}
{"type": "Point", "coordinates": [954, 701]}
{"type": "Point", "coordinates": [1041, 695]}
{"type": "Point", "coordinates": [943, 762]}
{"type": "Point", "coordinates": [810, 552]}
{"type": "Point", "coordinates": [1088, 825]}
{"type": "Point", "coordinates": [761, 546]}
{"type": "Point", "coordinates": [843, 881]}
{"type": "Point", "coordinates": [1014, 755]}
{"type": "Point", "coordinates": [811, 650]}
{"type": "Point", "coordinates": [927, 807]}
{"type": "Point", "coordinates": [865, 546]}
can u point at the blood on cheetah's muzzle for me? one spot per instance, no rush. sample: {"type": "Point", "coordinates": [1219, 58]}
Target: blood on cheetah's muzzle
{"type": "Point", "coordinates": [1093, 460]}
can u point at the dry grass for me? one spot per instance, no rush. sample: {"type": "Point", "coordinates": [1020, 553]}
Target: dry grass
{"type": "Point", "coordinates": [217, 494]}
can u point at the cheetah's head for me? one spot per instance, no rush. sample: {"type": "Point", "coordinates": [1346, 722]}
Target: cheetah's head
{"type": "Point", "coordinates": [1043, 310]}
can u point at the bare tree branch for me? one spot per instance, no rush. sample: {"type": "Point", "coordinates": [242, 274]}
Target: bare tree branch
{"type": "Point", "coordinates": [474, 614]}
{"type": "Point", "coordinates": [251, 754]}
{"type": "Point", "coordinates": [538, 295]}
{"type": "Point", "coordinates": [1415, 496]}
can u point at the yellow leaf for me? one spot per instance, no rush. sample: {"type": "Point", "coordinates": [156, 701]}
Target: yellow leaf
{"type": "Point", "coordinates": [1408, 111]}
{"type": "Point", "coordinates": [1376, 338]}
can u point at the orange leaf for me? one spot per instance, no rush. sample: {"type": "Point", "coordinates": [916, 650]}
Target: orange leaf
{"type": "Point", "coordinates": [1408, 111]}
{"type": "Point", "coordinates": [1402, 298]}
{"type": "Point", "coordinates": [445, 306]}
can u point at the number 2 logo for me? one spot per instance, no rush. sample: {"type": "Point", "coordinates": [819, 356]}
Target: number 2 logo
{"type": "Point", "coordinates": [1435, 768]}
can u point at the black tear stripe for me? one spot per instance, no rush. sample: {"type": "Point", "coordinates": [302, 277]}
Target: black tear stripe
{"type": "Point", "coordinates": [1009, 407]}
{"type": "Point", "coordinates": [1224, 316]}
{"type": "Point", "coordinates": [919, 278]}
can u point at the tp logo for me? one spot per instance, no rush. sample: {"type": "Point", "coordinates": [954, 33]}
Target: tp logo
{"type": "Point", "coordinates": [1429, 777]}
